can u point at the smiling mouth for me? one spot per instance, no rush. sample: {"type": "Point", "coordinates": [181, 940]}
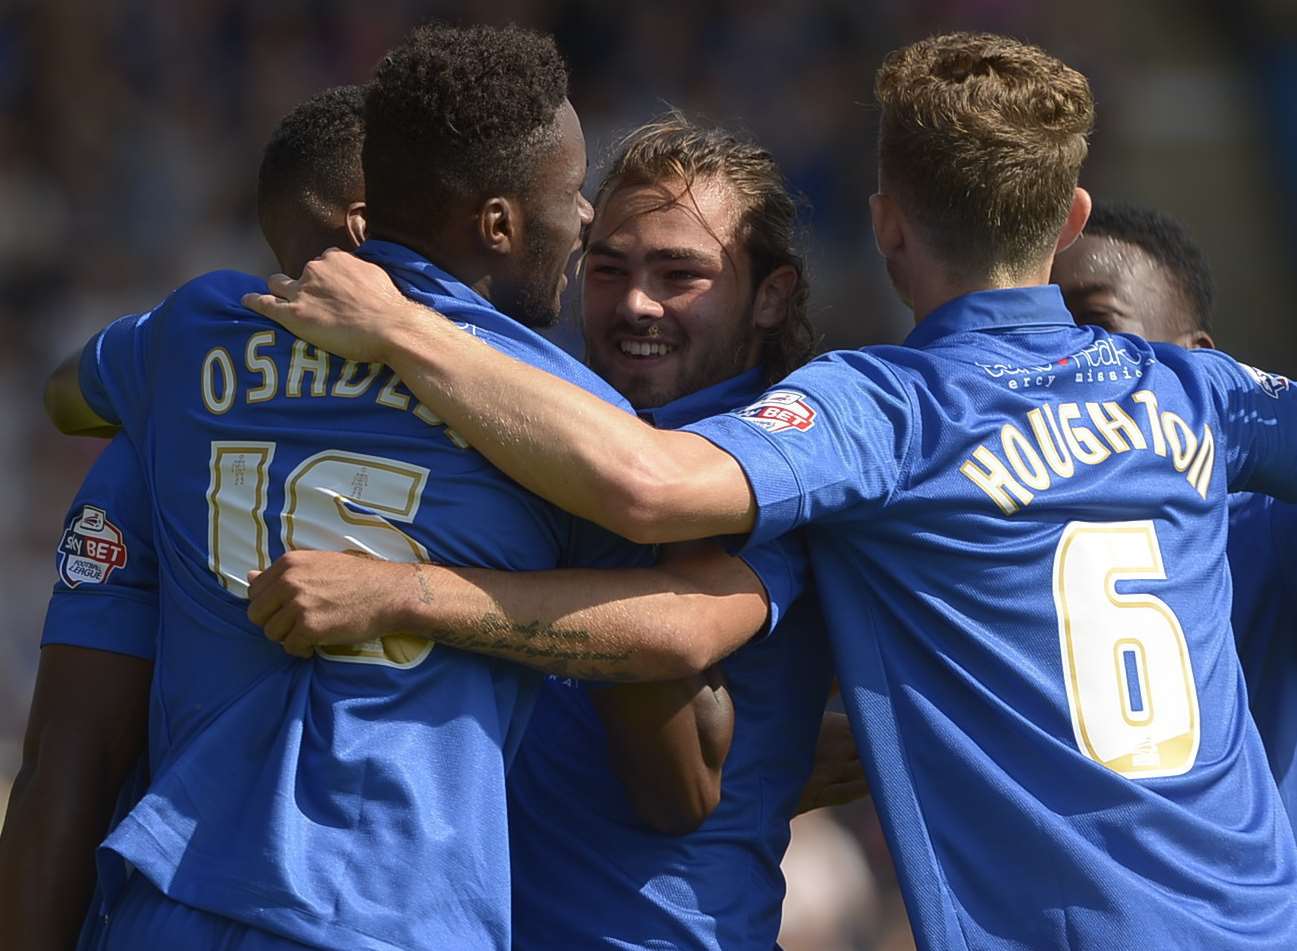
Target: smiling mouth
{"type": "Point", "coordinates": [643, 348]}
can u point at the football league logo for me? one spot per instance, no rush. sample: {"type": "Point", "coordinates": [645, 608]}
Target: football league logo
{"type": "Point", "coordinates": [781, 411]}
{"type": "Point", "coordinates": [91, 548]}
{"type": "Point", "coordinates": [1272, 384]}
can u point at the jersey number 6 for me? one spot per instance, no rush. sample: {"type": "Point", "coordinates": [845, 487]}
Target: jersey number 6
{"type": "Point", "coordinates": [1130, 686]}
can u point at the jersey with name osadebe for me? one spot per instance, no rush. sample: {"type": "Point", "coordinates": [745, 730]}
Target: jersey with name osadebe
{"type": "Point", "coordinates": [588, 872]}
{"type": "Point", "coordinates": [356, 799]}
{"type": "Point", "coordinates": [1017, 527]}
{"type": "Point", "coordinates": [1265, 626]}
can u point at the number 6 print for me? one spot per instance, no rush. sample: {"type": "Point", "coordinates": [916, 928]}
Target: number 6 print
{"type": "Point", "coordinates": [1130, 686]}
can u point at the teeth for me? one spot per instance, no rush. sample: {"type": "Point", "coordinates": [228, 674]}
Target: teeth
{"type": "Point", "coordinates": [642, 348]}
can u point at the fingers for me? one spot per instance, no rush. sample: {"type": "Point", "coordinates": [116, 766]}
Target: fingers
{"type": "Point", "coordinates": [280, 625]}
{"type": "Point", "coordinates": [283, 286]}
{"type": "Point", "coordinates": [268, 305]}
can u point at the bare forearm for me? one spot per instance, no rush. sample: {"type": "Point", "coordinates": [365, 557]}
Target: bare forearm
{"type": "Point", "coordinates": [576, 623]}
{"type": "Point", "coordinates": [668, 742]}
{"type": "Point", "coordinates": [568, 446]}
{"type": "Point", "coordinates": [52, 827]}
{"type": "Point", "coordinates": [68, 409]}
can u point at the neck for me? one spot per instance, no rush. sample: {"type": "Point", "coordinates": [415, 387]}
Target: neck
{"type": "Point", "coordinates": [935, 285]}
{"type": "Point", "coordinates": [462, 266]}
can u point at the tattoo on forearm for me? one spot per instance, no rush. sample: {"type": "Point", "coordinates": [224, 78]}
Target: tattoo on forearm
{"type": "Point", "coordinates": [561, 650]}
{"type": "Point", "coordinates": [549, 647]}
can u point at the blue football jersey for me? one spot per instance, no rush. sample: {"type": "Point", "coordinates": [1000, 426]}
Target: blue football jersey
{"type": "Point", "coordinates": [354, 800]}
{"type": "Point", "coordinates": [106, 598]}
{"type": "Point", "coordinates": [106, 595]}
{"type": "Point", "coordinates": [587, 872]}
{"type": "Point", "coordinates": [1017, 527]}
{"type": "Point", "coordinates": [1265, 627]}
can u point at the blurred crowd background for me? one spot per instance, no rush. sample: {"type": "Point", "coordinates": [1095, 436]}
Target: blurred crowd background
{"type": "Point", "coordinates": [130, 132]}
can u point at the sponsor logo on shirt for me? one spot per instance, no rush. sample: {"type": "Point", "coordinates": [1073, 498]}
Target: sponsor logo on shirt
{"type": "Point", "coordinates": [781, 411]}
{"type": "Point", "coordinates": [1272, 384]}
{"type": "Point", "coordinates": [90, 549]}
{"type": "Point", "coordinates": [1104, 361]}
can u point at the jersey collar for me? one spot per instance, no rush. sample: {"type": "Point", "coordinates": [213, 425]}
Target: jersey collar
{"type": "Point", "coordinates": [736, 392]}
{"type": "Point", "coordinates": [419, 271]}
{"type": "Point", "coordinates": [1010, 308]}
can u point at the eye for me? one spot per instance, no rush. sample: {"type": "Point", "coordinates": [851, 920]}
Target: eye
{"type": "Point", "coordinates": [683, 275]}
{"type": "Point", "coordinates": [606, 270]}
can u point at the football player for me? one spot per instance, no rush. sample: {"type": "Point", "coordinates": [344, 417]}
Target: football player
{"type": "Point", "coordinates": [88, 724]}
{"type": "Point", "coordinates": [1017, 529]}
{"type": "Point", "coordinates": [1135, 270]}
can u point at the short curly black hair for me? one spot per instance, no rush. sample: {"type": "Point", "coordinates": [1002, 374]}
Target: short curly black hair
{"type": "Point", "coordinates": [314, 153]}
{"type": "Point", "coordinates": [1167, 242]}
{"type": "Point", "coordinates": [458, 113]}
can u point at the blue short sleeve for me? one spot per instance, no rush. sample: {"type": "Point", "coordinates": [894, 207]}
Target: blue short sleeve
{"type": "Point", "coordinates": [832, 436]}
{"type": "Point", "coordinates": [782, 567]}
{"type": "Point", "coordinates": [1257, 412]}
{"type": "Point", "coordinates": [106, 596]}
{"type": "Point", "coordinates": [112, 371]}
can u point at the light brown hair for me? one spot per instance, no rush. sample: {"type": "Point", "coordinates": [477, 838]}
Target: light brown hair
{"type": "Point", "coordinates": [981, 140]}
{"type": "Point", "coordinates": [671, 148]}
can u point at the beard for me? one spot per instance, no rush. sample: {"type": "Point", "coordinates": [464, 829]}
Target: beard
{"type": "Point", "coordinates": [536, 301]}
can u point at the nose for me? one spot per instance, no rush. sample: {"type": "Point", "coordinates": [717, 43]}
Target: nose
{"type": "Point", "coordinates": [635, 305]}
{"type": "Point", "coordinates": [585, 210]}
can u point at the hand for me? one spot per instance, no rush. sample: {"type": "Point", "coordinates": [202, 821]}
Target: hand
{"type": "Point", "coordinates": [342, 304]}
{"type": "Point", "coordinates": [308, 599]}
{"type": "Point", "coordinates": [838, 777]}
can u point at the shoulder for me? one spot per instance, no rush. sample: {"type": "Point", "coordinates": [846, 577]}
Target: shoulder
{"type": "Point", "coordinates": [214, 292]}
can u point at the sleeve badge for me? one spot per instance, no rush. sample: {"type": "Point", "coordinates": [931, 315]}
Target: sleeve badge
{"type": "Point", "coordinates": [91, 548]}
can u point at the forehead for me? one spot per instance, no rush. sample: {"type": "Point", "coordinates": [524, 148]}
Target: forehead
{"type": "Point", "coordinates": [666, 214]}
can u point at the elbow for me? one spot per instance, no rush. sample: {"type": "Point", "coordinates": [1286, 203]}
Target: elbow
{"type": "Point", "coordinates": [638, 508]}
{"type": "Point", "coordinates": [54, 408]}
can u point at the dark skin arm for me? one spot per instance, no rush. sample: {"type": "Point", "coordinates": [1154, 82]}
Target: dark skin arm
{"type": "Point", "coordinates": [668, 742]}
{"type": "Point", "coordinates": [88, 726]}
{"type": "Point", "coordinates": [838, 776]}
{"type": "Point", "coordinates": [68, 409]}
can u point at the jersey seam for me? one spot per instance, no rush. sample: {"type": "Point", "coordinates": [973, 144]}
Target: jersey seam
{"type": "Point", "coordinates": [903, 471]}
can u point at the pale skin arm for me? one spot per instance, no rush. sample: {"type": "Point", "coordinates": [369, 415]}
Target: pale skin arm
{"type": "Point", "coordinates": [662, 623]}
{"type": "Point", "coordinates": [556, 439]}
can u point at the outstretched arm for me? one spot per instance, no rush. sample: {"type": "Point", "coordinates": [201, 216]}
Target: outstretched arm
{"type": "Point", "coordinates": [552, 437]}
{"type": "Point", "coordinates": [661, 623]}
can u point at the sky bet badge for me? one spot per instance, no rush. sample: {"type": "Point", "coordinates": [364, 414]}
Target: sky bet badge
{"type": "Point", "coordinates": [91, 548]}
{"type": "Point", "coordinates": [781, 411]}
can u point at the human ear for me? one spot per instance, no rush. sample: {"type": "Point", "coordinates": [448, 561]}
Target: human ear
{"type": "Point", "coordinates": [770, 302]}
{"type": "Point", "coordinates": [498, 222]}
{"type": "Point", "coordinates": [1077, 216]}
{"type": "Point", "coordinates": [889, 235]}
{"type": "Point", "coordinates": [355, 223]}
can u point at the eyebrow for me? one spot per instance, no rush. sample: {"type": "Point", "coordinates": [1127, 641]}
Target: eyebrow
{"type": "Point", "coordinates": [1089, 287]}
{"type": "Point", "coordinates": [604, 249]}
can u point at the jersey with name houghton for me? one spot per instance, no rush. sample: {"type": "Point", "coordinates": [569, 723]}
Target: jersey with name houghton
{"type": "Point", "coordinates": [588, 873]}
{"type": "Point", "coordinates": [1017, 527]}
{"type": "Point", "coordinates": [354, 800]}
